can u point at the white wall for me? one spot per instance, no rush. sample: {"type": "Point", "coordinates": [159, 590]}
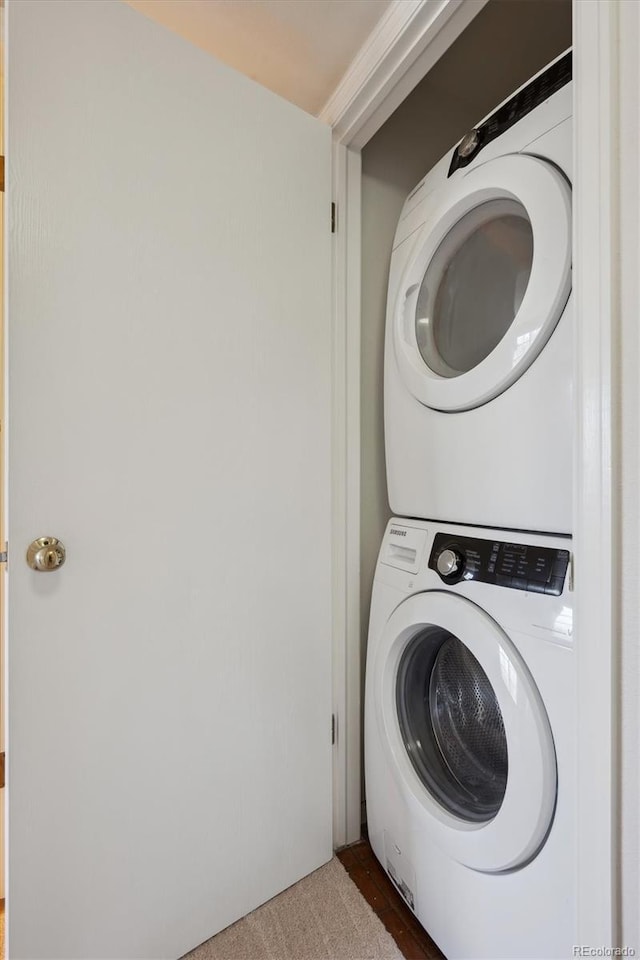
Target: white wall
{"type": "Point", "coordinates": [501, 49]}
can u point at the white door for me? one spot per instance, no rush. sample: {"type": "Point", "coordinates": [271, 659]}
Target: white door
{"type": "Point", "coordinates": [465, 730]}
{"type": "Point", "coordinates": [169, 404]}
{"type": "Point", "coordinates": [487, 282]}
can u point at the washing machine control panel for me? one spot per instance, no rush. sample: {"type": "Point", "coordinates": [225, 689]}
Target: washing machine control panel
{"type": "Point", "coordinates": [519, 566]}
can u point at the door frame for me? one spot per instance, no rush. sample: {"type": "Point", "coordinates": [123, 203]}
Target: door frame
{"type": "Point", "coordinates": [408, 41]}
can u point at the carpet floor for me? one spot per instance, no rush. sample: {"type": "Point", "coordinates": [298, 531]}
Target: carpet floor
{"type": "Point", "coordinates": [323, 917]}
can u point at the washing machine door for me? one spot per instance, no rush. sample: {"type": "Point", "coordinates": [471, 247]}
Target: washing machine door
{"type": "Point", "coordinates": [487, 282]}
{"type": "Point", "coordinates": [465, 731]}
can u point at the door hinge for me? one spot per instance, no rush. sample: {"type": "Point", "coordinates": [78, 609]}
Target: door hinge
{"type": "Point", "coordinates": [333, 218]}
{"type": "Point", "coordinates": [2, 770]}
{"type": "Point", "coordinates": [333, 729]}
{"type": "Point", "coordinates": [4, 554]}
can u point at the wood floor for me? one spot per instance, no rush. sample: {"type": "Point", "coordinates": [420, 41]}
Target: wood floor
{"type": "Point", "coordinates": [360, 863]}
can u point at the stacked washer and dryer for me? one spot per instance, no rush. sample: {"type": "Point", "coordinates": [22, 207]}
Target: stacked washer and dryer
{"type": "Point", "coordinates": [470, 724]}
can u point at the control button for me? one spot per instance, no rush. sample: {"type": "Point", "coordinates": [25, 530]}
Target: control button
{"type": "Point", "coordinates": [560, 567]}
{"type": "Point", "coordinates": [448, 563]}
{"type": "Point", "coordinates": [554, 587]}
{"type": "Point", "coordinates": [536, 586]}
{"type": "Point", "coordinates": [519, 583]}
{"type": "Point", "coordinates": [502, 581]}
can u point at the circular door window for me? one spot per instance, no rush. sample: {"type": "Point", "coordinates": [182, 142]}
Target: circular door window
{"type": "Point", "coordinates": [473, 287]}
{"type": "Point", "coordinates": [452, 726]}
{"type": "Point", "coordinates": [464, 731]}
{"type": "Point", "coordinates": [486, 282]}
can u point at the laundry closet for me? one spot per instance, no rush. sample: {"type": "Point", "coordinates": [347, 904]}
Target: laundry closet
{"type": "Point", "coordinates": [503, 47]}
{"type": "Point", "coordinates": [467, 359]}
{"type": "Point", "coordinates": [174, 655]}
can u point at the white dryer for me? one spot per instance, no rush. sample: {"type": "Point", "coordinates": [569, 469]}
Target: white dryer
{"type": "Point", "coordinates": [478, 352]}
{"type": "Point", "coordinates": [470, 735]}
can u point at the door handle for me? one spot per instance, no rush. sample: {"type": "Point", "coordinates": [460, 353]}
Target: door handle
{"type": "Point", "coordinates": [46, 554]}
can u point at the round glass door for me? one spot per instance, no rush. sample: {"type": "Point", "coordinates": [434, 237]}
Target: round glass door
{"type": "Point", "coordinates": [452, 726]}
{"type": "Point", "coordinates": [463, 730]}
{"type": "Point", "coordinates": [485, 284]}
{"type": "Point", "coordinates": [473, 287]}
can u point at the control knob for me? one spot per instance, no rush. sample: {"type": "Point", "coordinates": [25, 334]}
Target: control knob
{"type": "Point", "coordinates": [468, 143]}
{"type": "Point", "coordinates": [449, 562]}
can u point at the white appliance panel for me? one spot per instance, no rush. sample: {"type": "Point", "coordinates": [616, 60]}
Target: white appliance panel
{"type": "Point", "coordinates": [527, 911]}
{"type": "Point", "coordinates": [491, 444]}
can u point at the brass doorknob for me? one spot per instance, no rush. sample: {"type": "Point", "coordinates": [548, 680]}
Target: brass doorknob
{"type": "Point", "coordinates": [46, 554]}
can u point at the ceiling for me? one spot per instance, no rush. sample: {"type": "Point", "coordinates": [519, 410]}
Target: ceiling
{"type": "Point", "coordinates": [300, 49]}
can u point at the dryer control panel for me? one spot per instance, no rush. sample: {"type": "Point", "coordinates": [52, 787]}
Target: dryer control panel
{"type": "Point", "coordinates": [540, 89]}
{"type": "Point", "coordinates": [519, 566]}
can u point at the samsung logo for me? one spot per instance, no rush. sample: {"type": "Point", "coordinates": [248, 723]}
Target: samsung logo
{"type": "Point", "coordinates": [398, 533]}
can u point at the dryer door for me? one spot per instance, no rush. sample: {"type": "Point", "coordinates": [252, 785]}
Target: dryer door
{"type": "Point", "coordinates": [466, 732]}
{"type": "Point", "coordinates": [488, 280]}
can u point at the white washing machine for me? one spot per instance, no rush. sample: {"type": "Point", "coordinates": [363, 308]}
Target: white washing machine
{"type": "Point", "coordinates": [478, 353]}
{"type": "Point", "coordinates": [470, 734]}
